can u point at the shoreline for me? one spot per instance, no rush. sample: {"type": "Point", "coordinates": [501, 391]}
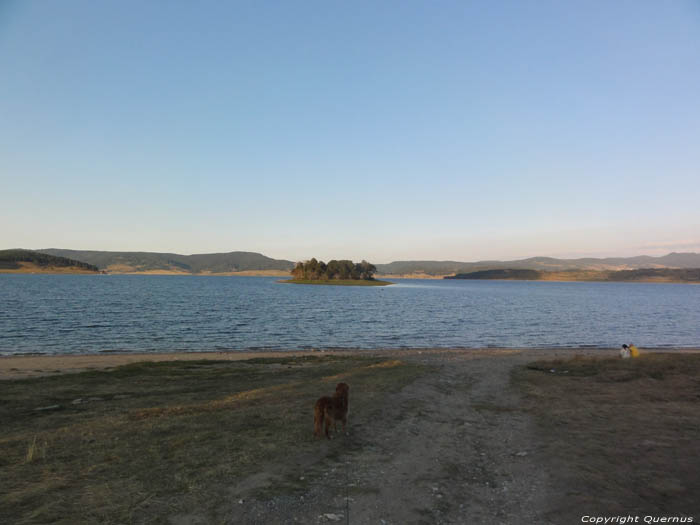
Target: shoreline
{"type": "Point", "coordinates": [337, 282]}
{"type": "Point", "coordinates": [29, 366]}
{"type": "Point", "coordinates": [242, 273]}
{"type": "Point", "coordinates": [26, 366]}
{"type": "Point", "coordinates": [279, 273]}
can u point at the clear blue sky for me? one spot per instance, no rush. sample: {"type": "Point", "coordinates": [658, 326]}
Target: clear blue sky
{"type": "Point", "coordinates": [378, 130]}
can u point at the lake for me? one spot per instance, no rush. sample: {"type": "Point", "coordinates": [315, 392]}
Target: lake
{"type": "Point", "coordinates": [64, 314]}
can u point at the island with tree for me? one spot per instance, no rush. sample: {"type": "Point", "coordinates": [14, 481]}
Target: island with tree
{"type": "Point", "coordinates": [344, 273]}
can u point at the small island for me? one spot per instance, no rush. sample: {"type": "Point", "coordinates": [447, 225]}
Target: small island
{"type": "Point", "coordinates": [338, 273]}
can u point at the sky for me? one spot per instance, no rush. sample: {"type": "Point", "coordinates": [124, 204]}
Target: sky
{"type": "Point", "coordinates": [397, 130]}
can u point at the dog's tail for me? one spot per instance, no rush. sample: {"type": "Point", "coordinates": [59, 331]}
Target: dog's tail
{"type": "Point", "coordinates": [319, 411]}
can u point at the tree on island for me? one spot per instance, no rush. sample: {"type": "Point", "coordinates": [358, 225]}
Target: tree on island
{"type": "Point", "coordinates": [313, 270]}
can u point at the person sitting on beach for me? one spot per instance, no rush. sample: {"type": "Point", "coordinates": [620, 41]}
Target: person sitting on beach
{"type": "Point", "coordinates": [625, 352]}
{"type": "Point", "coordinates": [634, 351]}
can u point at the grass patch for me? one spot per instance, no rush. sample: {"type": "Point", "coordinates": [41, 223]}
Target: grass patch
{"type": "Point", "coordinates": [621, 435]}
{"type": "Point", "coordinates": [339, 282]}
{"type": "Point", "coordinates": [149, 440]}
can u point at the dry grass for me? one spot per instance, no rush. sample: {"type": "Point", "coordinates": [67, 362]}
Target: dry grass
{"type": "Point", "coordinates": [29, 267]}
{"type": "Point", "coordinates": [619, 436]}
{"type": "Point", "coordinates": [150, 440]}
{"type": "Point", "coordinates": [35, 451]}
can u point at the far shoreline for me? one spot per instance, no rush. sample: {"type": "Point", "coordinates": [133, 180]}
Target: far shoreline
{"type": "Point", "coordinates": [278, 273]}
{"type": "Point", "coordinates": [337, 282]}
{"type": "Point", "coordinates": [54, 271]}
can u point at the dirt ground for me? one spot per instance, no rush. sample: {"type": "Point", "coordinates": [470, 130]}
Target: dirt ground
{"type": "Point", "coordinates": [466, 439]}
{"type": "Point", "coordinates": [27, 366]}
{"type": "Point", "coordinates": [459, 445]}
{"type": "Point", "coordinates": [452, 447]}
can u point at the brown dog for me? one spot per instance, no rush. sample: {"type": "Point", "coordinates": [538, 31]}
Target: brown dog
{"type": "Point", "coordinates": [330, 410]}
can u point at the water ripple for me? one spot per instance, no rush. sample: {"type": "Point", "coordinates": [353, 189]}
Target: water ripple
{"type": "Point", "coordinates": [76, 314]}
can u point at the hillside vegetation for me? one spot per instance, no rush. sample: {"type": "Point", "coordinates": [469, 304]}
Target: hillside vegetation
{"type": "Point", "coordinates": [127, 262]}
{"type": "Point", "coordinates": [28, 260]}
{"type": "Point", "coordinates": [442, 268]}
{"type": "Point", "coordinates": [686, 275]}
{"type": "Point", "coordinates": [238, 262]}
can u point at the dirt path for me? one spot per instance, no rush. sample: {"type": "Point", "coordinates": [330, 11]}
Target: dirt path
{"type": "Point", "coordinates": [453, 447]}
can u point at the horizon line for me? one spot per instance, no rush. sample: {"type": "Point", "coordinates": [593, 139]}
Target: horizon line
{"type": "Point", "coordinates": [364, 258]}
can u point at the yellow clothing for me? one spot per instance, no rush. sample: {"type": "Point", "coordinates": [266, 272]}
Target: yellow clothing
{"type": "Point", "coordinates": [634, 351]}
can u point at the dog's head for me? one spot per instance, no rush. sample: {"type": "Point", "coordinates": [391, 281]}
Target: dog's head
{"type": "Point", "coordinates": [342, 389]}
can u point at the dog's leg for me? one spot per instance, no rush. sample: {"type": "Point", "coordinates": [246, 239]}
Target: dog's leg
{"type": "Point", "coordinates": [318, 419]}
{"type": "Point", "coordinates": [328, 426]}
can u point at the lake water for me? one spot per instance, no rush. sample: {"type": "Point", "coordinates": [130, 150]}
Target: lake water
{"type": "Point", "coordinates": [103, 313]}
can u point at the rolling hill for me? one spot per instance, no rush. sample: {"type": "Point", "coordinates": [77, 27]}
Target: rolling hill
{"type": "Point", "coordinates": [29, 261]}
{"type": "Point", "coordinates": [239, 262]}
{"type": "Point", "coordinates": [442, 268]}
{"type": "Point", "coordinates": [151, 262]}
{"type": "Point", "coordinates": [649, 275]}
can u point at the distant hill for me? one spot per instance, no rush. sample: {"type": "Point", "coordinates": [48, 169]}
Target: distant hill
{"type": "Point", "coordinates": [522, 275]}
{"type": "Point", "coordinates": [442, 268]}
{"type": "Point", "coordinates": [136, 262]}
{"type": "Point", "coordinates": [256, 263]}
{"type": "Point", "coordinates": [652, 275]}
{"type": "Point", "coordinates": [29, 261]}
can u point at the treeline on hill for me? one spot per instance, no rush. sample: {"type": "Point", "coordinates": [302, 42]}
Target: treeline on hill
{"type": "Point", "coordinates": [9, 260]}
{"type": "Point", "coordinates": [679, 274]}
{"type": "Point", "coordinates": [529, 275]}
{"type": "Point", "coordinates": [685, 275]}
{"type": "Point", "coordinates": [441, 268]}
{"type": "Point", "coordinates": [314, 270]}
{"type": "Point", "coordinates": [197, 263]}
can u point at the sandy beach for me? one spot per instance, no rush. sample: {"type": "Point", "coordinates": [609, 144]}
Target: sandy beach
{"type": "Point", "coordinates": [24, 366]}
